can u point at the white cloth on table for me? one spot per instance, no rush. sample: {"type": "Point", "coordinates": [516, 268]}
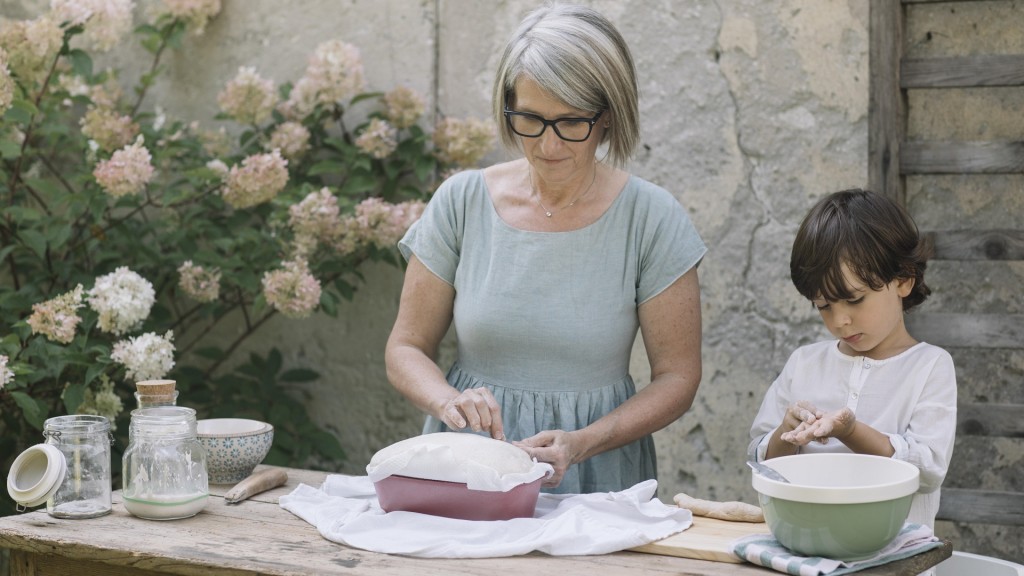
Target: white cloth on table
{"type": "Point", "coordinates": [765, 550]}
{"type": "Point", "coordinates": [345, 510]}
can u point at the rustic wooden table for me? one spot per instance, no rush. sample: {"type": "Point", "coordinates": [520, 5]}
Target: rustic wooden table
{"type": "Point", "coordinates": [259, 537]}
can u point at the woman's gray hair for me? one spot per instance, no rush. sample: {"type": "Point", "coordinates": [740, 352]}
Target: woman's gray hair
{"type": "Point", "coordinates": [575, 54]}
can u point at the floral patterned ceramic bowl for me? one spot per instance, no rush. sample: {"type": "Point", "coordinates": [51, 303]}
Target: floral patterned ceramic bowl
{"type": "Point", "coordinates": [234, 446]}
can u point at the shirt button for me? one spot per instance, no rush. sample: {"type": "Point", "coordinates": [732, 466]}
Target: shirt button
{"type": "Point", "coordinates": [854, 395]}
{"type": "Point", "coordinates": [867, 365]}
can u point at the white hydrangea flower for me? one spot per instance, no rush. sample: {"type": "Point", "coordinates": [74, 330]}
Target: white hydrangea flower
{"type": "Point", "coordinates": [145, 357]}
{"type": "Point", "coordinates": [6, 374]}
{"type": "Point", "coordinates": [122, 299]}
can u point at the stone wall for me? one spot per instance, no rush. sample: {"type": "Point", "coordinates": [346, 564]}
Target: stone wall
{"type": "Point", "coordinates": [751, 110]}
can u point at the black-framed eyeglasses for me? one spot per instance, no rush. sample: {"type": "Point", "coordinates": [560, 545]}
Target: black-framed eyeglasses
{"type": "Point", "coordinates": [568, 129]}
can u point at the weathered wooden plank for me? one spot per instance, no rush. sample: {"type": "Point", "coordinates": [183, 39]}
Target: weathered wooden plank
{"type": "Point", "coordinates": [963, 71]}
{"type": "Point", "coordinates": [990, 419]}
{"type": "Point", "coordinates": [961, 157]}
{"type": "Point", "coordinates": [982, 506]}
{"type": "Point", "coordinates": [25, 564]}
{"type": "Point", "coordinates": [968, 330]}
{"type": "Point", "coordinates": [887, 103]}
{"type": "Point", "coordinates": [977, 244]}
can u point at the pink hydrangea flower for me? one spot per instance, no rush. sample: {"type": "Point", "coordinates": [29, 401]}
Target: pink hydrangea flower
{"type": "Point", "coordinates": [105, 22]}
{"type": "Point", "coordinates": [379, 139]}
{"type": "Point", "coordinates": [126, 172]}
{"type": "Point", "coordinates": [291, 138]}
{"type": "Point", "coordinates": [31, 46]}
{"type": "Point", "coordinates": [107, 128]}
{"type": "Point", "coordinates": [201, 284]}
{"type": "Point", "coordinates": [248, 98]}
{"type": "Point", "coordinates": [196, 13]}
{"type": "Point", "coordinates": [122, 299]}
{"type": "Point", "coordinates": [57, 318]}
{"type": "Point", "coordinates": [377, 223]}
{"type": "Point", "coordinates": [403, 107]}
{"type": "Point", "coordinates": [293, 290]}
{"type": "Point", "coordinates": [334, 74]}
{"type": "Point", "coordinates": [6, 374]}
{"type": "Point", "coordinates": [259, 180]}
{"type": "Point", "coordinates": [145, 357]}
{"type": "Point", "coordinates": [462, 142]}
{"type": "Point", "coordinates": [6, 83]}
{"type": "Point", "coordinates": [314, 220]}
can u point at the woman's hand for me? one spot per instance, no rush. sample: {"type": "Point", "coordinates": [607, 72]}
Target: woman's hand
{"type": "Point", "coordinates": [477, 409]}
{"type": "Point", "coordinates": [556, 447]}
{"type": "Point", "coordinates": [821, 427]}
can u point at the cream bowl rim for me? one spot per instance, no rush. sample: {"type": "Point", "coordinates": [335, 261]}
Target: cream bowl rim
{"type": "Point", "coordinates": [906, 485]}
{"type": "Point", "coordinates": [251, 427]}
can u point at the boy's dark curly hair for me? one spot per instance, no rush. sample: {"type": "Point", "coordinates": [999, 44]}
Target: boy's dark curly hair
{"type": "Point", "coordinates": [873, 235]}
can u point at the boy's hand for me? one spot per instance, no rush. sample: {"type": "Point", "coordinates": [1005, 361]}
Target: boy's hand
{"type": "Point", "coordinates": [800, 414]}
{"type": "Point", "coordinates": [838, 424]}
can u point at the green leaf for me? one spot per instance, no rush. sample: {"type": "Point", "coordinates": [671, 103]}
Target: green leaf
{"type": "Point", "coordinates": [210, 352]}
{"type": "Point", "coordinates": [328, 445]}
{"type": "Point", "coordinates": [299, 375]}
{"type": "Point", "coordinates": [35, 412]}
{"type": "Point", "coordinates": [366, 96]}
{"type": "Point", "coordinates": [274, 361]}
{"type": "Point", "coordinates": [327, 167]}
{"type": "Point", "coordinates": [81, 63]}
{"type": "Point", "coordinates": [73, 397]}
{"type": "Point", "coordinates": [9, 149]}
{"type": "Point", "coordinates": [328, 303]}
{"type": "Point", "coordinates": [21, 111]}
{"type": "Point", "coordinates": [35, 241]}
{"type": "Point", "coordinates": [94, 370]}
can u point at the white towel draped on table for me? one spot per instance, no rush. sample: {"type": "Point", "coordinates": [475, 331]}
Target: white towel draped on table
{"type": "Point", "coordinates": [345, 510]}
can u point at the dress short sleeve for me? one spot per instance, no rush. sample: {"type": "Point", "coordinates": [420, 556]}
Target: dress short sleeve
{"type": "Point", "coordinates": [436, 238]}
{"type": "Point", "coordinates": [670, 244]}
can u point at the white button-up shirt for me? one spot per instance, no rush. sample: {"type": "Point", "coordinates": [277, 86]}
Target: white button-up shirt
{"type": "Point", "coordinates": [911, 397]}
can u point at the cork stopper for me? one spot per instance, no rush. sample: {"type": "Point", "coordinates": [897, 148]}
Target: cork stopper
{"type": "Point", "coordinates": [155, 387]}
{"type": "Point", "coordinates": [152, 393]}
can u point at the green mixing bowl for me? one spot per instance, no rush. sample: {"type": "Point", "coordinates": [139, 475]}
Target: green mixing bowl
{"type": "Point", "coordinates": [840, 506]}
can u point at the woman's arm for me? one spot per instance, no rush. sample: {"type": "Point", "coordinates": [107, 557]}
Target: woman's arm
{"type": "Point", "coordinates": [424, 315]}
{"type": "Point", "coordinates": [671, 327]}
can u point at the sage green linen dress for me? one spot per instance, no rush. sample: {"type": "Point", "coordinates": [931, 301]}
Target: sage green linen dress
{"type": "Point", "coordinates": [547, 320]}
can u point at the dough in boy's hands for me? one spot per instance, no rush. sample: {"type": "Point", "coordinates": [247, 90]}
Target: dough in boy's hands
{"type": "Point", "coordinates": [733, 511]}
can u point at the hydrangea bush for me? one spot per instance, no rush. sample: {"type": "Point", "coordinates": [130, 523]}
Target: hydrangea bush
{"type": "Point", "coordinates": [127, 237]}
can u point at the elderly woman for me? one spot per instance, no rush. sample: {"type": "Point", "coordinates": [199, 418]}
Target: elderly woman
{"type": "Point", "coordinates": [549, 264]}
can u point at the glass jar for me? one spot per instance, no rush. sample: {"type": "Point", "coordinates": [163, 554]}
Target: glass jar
{"type": "Point", "coordinates": [164, 467]}
{"type": "Point", "coordinates": [84, 441]}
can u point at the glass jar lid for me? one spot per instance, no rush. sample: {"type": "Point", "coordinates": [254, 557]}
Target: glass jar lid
{"type": "Point", "coordinates": [36, 474]}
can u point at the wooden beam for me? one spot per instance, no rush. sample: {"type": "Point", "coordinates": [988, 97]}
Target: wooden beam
{"type": "Point", "coordinates": [967, 330]}
{"type": "Point", "coordinates": [982, 506]}
{"type": "Point", "coordinates": [990, 419]}
{"type": "Point", "coordinates": [886, 103]}
{"type": "Point", "coordinates": [963, 71]}
{"type": "Point", "coordinates": [976, 244]}
{"type": "Point", "coordinates": [962, 158]}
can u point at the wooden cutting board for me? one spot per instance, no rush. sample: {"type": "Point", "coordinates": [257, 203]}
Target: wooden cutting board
{"type": "Point", "coordinates": [707, 539]}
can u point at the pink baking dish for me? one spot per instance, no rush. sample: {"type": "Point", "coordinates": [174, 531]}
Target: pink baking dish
{"type": "Point", "coordinates": [455, 500]}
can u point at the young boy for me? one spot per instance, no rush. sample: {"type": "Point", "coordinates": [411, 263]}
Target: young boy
{"type": "Point", "coordinates": [874, 389]}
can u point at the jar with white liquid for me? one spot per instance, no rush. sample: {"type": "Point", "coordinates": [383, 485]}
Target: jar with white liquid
{"type": "Point", "coordinates": [70, 472]}
{"type": "Point", "coordinates": [164, 467]}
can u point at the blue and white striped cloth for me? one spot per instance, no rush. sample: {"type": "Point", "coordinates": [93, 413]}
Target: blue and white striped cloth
{"type": "Point", "coordinates": [765, 550]}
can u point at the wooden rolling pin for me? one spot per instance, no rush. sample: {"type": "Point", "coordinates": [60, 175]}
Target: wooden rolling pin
{"type": "Point", "coordinates": [734, 511]}
{"type": "Point", "coordinates": [256, 483]}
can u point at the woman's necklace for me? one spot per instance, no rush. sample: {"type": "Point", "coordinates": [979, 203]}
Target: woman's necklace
{"type": "Point", "coordinates": [549, 213]}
